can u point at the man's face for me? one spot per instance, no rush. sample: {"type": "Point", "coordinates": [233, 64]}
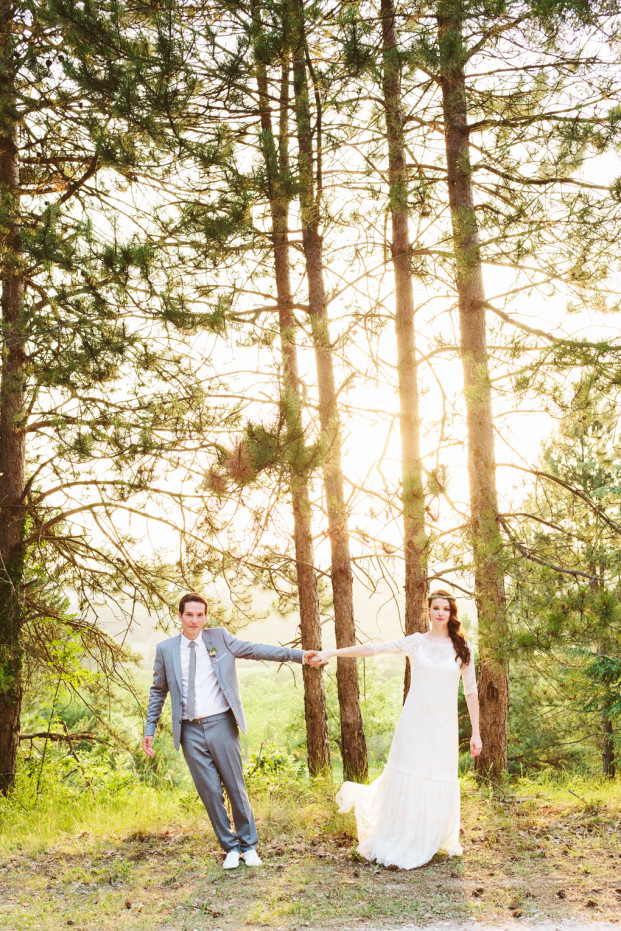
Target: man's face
{"type": "Point", "coordinates": [193, 619]}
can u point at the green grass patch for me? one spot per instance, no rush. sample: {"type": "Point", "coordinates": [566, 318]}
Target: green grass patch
{"type": "Point", "coordinates": [146, 858]}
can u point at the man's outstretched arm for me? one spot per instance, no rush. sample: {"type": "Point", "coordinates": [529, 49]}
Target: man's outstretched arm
{"type": "Point", "coordinates": [244, 649]}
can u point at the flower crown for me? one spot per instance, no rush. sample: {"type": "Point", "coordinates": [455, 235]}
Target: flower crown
{"type": "Point", "coordinates": [441, 594]}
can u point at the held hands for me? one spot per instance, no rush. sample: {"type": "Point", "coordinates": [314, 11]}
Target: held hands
{"type": "Point", "coordinates": [475, 745]}
{"type": "Point", "coordinates": [316, 657]}
{"type": "Point", "coordinates": [319, 658]}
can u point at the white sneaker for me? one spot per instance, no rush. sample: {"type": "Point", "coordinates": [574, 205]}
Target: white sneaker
{"type": "Point", "coordinates": [232, 860]}
{"type": "Point", "coordinates": [251, 858]}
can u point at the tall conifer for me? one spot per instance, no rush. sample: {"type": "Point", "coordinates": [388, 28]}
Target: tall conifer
{"type": "Point", "coordinates": [487, 541]}
{"type": "Point", "coordinates": [12, 405]}
{"type": "Point", "coordinates": [415, 543]}
{"type": "Point", "coordinates": [275, 151]}
{"type": "Point", "coordinates": [96, 399]}
{"type": "Point", "coordinates": [310, 184]}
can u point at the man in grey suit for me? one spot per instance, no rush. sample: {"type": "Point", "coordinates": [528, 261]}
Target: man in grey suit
{"type": "Point", "coordinates": [197, 668]}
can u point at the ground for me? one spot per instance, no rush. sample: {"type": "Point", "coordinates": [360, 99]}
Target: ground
{"type": "Point", "coordinates": [527, 859]}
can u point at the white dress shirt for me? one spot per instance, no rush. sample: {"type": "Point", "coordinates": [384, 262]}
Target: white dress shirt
{"type": "Point", "coordinates": [209, 696]}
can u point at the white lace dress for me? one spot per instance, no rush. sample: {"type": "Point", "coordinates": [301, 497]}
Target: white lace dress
{"type": "Point", "coordinates": [411, 811]}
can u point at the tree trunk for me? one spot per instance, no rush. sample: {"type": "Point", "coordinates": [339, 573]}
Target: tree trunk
{"type": "Point", "coordinates": [412, 493]}
{"type": "Point", "coordinates": [486, 536]}
{"type": "Point", "coordinates": [277, 167]}
{"type": "Point", "coordinates": [12, 403]}
{"type": "Point", "coordinates": [609, 766]}
{"type": "Point", "coordinates": [353, 742]}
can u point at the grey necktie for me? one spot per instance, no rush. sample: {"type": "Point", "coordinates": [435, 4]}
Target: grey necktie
{"type": "Point", "coordinates": [191, 703]}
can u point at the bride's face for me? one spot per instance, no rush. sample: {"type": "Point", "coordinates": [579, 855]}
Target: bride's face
{"type": "Point", "coordinates": [440, 611]}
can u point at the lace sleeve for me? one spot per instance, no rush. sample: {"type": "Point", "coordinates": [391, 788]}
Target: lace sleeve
{"type": "Point", "coordinates": [404, 645]}
{"type": "Point", "coordinates": [468, 676]}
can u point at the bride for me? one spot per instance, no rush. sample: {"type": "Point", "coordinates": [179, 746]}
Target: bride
{"type": "Point", "coordinates": [411, 811]}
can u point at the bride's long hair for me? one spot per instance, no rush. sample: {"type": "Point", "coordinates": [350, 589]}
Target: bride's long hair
{"type": "Point", "coordinates": [455, 629]}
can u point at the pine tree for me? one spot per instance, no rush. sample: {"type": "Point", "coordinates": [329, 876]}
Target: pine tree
{"type": "Point", "coordinates": [486, 536]}
{"type": "Point", "coordinates": [414, 537]}
{"type": "Point", "coordinates": [511, 207]}
{"type": "Point", "coordinates": [12, 403]}
{"type": "Point", "coordinates": [95, 405]}
{"type": "Point", "coordinates": [566, 589]}
{"type": "Point", "coordinates": [309, 177]}
{"type": "Point", "coordinates": [275, 150]}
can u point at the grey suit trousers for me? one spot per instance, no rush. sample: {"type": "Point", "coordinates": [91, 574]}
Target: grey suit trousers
{"type": "Point", "coordinates": [213, 754]}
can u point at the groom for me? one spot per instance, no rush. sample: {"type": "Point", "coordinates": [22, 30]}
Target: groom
{"type": "Point", "coordinates": [197, 667]}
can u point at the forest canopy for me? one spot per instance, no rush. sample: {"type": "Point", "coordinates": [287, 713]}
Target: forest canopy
{"type": "Point", "coordinates": [320, 299]}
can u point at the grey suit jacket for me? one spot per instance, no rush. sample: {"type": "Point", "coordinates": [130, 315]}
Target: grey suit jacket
{"type": "Point", "coordinates": [167, 674]}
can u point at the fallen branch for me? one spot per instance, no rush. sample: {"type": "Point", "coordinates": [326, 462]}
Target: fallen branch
{"type": "Point", "coordinates": [52, 735]}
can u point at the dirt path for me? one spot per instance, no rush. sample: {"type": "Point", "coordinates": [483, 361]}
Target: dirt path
{"type": "Point", "coordinates": [572, 924]}
{"type": "Point", "coordinates": [173, 881]}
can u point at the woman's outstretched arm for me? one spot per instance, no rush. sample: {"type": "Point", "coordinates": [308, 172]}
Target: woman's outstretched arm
{"type": "Point", "coordinates": [364, 649]}
{"type": "Point", "coordinates": [359, 650]}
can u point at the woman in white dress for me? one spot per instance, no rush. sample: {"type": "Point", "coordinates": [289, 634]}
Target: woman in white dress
{"type": "Point", "coordinates": [411, 811]}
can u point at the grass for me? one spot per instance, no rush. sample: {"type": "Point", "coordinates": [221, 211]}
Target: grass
{"type": "Point", "coordinates": [142, 858]}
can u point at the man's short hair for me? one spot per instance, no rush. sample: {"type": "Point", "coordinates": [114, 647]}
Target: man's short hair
{"type": "Point", "coordinates": [191, 596]}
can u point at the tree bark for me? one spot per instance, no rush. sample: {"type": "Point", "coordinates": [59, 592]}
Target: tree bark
{"type": "Point", "coordinates": [485, 529]}
{"type": "Point", "coordinates": [277, 167]}
{"type": "Point", "coordinates": [353, 743]}
{"type": "Point", "coordinates": [609, 765]}
{"type": "Point", "coordinates": [412, 492]}
{"type": "Point", "coordinates": [12, 411]}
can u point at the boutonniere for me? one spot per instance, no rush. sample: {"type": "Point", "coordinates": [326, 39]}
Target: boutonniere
{"type": "Point", "coordinates": [213, 653]}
